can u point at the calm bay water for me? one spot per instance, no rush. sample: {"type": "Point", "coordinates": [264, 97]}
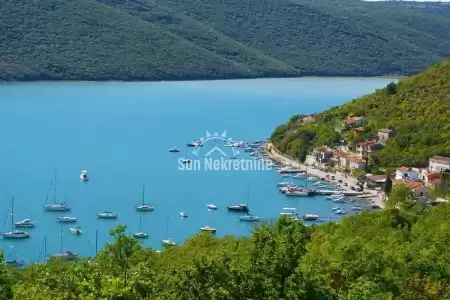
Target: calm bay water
{"type": "Point", "coordinates": [120, 133]}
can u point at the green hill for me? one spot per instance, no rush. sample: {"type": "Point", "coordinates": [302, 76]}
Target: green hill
{"type": "Point", "coordinates": [417, 109]}
{"type": "Point", "coordinates": [388, 255]}
{"type": "Point", "coordinates": [168, 39]}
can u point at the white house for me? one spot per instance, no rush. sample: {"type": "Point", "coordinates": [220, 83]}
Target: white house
{"type": "Point", "coordinates": [439, 164]}
{"type": "Point", "coordinates": [406, 173]}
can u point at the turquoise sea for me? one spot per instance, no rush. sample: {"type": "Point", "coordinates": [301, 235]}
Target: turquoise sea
{"type": "Point", "coordinates": [120, 132]}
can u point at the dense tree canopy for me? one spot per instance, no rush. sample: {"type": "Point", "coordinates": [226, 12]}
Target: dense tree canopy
{"type": "Point", "coordinates": [417, 109]}
{"type": "Point", "coordinates": [171, 39]}
{"type": "Point", "coordinates": [392, 254]}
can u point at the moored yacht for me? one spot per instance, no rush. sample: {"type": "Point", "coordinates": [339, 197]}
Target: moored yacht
{"type": "Point", "coordinates": [84, 175]}
{"type": "Point", "coordinates": [309, 217]}
{"type": "Point", "coordinates": [184, 214]}
{"type": "Point", "coordinates": [75, 230]}
{"type": "Point", "coordinates": [15, 263]}
{"type": "Point", "coordinates": [168, 242]}
{"type": "Point", "coordinates": [174, 149]}
{"type": "Point", "coordinates": [143, 206]}
{"type": "Point", "coordinates": [107, 215]}
{"type": "Point", "coordinates": [140, 235]}
{"type": "Point", "coordinates": [249, 218]}
{"type": "Point", "coordinates": [297, 193]}
{"type": "Point", "coordinates": [26, 223]}
{"type": "Point", "coordinates": [14, 234]}
{"type": "Point", "coordinates": [239, 208]}
{"type": "Point", "coordinates": [208, 229]}
{"type": "Point", "coordinates": [68, 255]}
{"type": "Point", "coordinates": [211, 206]}
{"type": "Point", "coordinates": [66, 219]}
{"type": "Point", "coordinates": [57, 207]}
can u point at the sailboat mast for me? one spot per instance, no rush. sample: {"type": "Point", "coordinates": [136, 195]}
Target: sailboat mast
{"type": "Point", "coordinates": [143, 194]}
{"type": "Point", "coordinates": [54, 192]}
{"type": "Point", "coordinates": [96, 241]}
{"type": "Point", "coordinates": [12, 214]}
{"type": "Point", "coordinates": [60, 243]}
{"type": "Point", "coordinates": [45, 247]}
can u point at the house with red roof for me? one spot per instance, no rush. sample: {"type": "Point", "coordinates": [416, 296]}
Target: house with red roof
{"type": "Point", "coordinates": [439, 164]}
{"type": "Point", "coordinates": [353, 122]}
{"type": "Point", "coordinates": [417, 188]}
{"type": "Point", "coordinates": [406, 173]}
{"type": "Point", "coordinates": [366, 148]}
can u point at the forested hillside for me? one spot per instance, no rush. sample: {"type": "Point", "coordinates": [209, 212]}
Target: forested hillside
{"type": "Point", "coordinates": [373, 256]}
{"type": "Point", "coordinates": [167, 39]}
{"type": "Point", "coordinates": [417, 109]}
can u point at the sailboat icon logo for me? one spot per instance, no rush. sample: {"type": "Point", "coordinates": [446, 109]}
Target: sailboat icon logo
{"type": "Point", "coordinates": [213, 139]}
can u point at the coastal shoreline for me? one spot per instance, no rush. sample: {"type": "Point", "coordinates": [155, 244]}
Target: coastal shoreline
{"type": "Point", "coordinates": [275, 155]}
{"type": "Point", "coordinates": [295, 76]}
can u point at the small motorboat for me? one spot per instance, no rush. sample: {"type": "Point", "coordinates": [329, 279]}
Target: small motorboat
{"type": "Point", "coordinates": [211, 206]}
{"type": "Point", "coordinates": [107, 215]}
{"type": "Point", "coordinates": [249, 218]}
{"type": "Point", "coordinates": [68, 255]}
{"type": "Point", "coordinates": [340, 211]}
{"type": "Point", "coordinates": [168, 242]}
{"type": "Point", "coordinates": [239, 208]}
{"type": "Point", "coordinates": [15, 263]}
{"type": "Point", "coordinates": [140, 235]}
{"type": "Point", "coordinates": [66, 219]}
{"type": "Point", "coordinates": [26, 223]}
{"type": "Point", "coordinates": [288, 211]}
{"type": "Point", "coordinates": [357, 208]}
{"type": "Point", "coordinates": [339, 200]}
{"type": "Point", "coordinates": [195, 144]}
{"type": "Point", "coordinates": [208, 229]}
{"type": "Point", "coordinates": [16, 234]}
{"type": "Point", "coordinates": [284, 184]}
{"type": "Point", "coordinates": [75, 230]}
{"type": "Point", "coordinates": [310, 217]}
{"type": "Point", "coordinates": [84, 175]}
{"type": "Point", "coordinates": [174, 150]}
{"type": "Point", "coordinates": [184, 214]}
{"type": "Point", "coordinates": [299, 176]}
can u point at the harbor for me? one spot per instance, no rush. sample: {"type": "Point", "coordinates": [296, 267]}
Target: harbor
{"type": "Point", "coordinates": [106, 148]}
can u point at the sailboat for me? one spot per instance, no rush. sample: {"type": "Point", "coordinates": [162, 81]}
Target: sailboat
{"type": "Point", "coordinates": [144, 207]}
{"type": "Point", "coordinates": [140, 234]}
{"type": "Point", "coordinates": [14, 234]}
{"type": "Point", "coordinates": [68, 255]}
{"type": "Point", "coordinates": [16, 263]}
{"type": "Point", "coordinates": [185, 159]}
{"type": "Point", "coordinates": [248, 217]}
{"type": "Point", "coordinates": [168, 241]}
{"type": "Point", "coordinates": [56, 206]}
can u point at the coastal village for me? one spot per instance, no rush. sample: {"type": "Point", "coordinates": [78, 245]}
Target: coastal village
{"type": "Point", "coordinates": [351, 162]}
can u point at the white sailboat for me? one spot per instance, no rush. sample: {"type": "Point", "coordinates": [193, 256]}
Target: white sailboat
{"type": "Point", "coordinates": [107, 215]}
{"type": "Point", "coordinates": [248, 217]}
{"type": "Point", "coordinates": [143, 206]}
{"type": "Point", "coordinates": [140, 234]}
{"type": "Point", "coordinates": [68, 255]}
{"type": "Point", "coordinates": [168, 241]}
{"type": "Point", "coordinates": [185, 159]}
{"type": "Point", "coordinates": [14, 234]}
{"type": "Point", "coordinates": [56, 206]}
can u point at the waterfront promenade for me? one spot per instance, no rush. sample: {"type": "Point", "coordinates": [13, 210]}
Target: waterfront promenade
{"type": "Point", "coordinates": [373, 195]}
